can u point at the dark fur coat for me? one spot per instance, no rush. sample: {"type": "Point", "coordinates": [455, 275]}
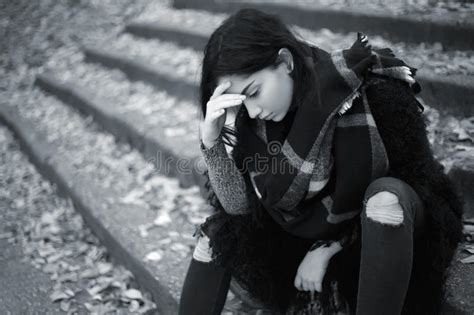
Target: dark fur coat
{"type": "Point", "coordinates": [265, 258]}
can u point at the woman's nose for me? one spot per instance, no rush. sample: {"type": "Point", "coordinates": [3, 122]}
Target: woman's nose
{"type": "Point", "coordinates": [253, 111]}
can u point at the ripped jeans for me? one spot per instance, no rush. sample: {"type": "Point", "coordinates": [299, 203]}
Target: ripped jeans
{"type": "Point", "coordinates": [393, 217]}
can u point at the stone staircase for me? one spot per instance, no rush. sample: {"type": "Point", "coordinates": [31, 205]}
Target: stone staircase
{"type": "Point", "coordinates": [138, 89]}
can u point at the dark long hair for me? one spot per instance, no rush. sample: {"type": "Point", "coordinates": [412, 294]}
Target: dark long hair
{"type": "Point", "coordinates": [246, 42]}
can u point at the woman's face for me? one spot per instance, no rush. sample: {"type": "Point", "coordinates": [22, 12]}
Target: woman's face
{"type": "Point", "coordinates": [269, 91]}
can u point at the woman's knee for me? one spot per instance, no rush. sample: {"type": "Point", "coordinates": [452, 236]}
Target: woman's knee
{"type": "Point", "coordinates": [384, 207]}
{"type": "Point", "coordinates": [387, 201]}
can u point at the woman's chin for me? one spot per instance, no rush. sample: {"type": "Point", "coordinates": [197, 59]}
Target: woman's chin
{"type": "Point", "coordinates": [277, 118]}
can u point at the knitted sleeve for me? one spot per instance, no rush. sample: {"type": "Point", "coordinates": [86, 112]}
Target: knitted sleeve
{"type": "Point", "coordinates": [226, 180]}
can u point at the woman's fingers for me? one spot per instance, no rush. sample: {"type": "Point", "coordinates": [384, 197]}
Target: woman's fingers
{"type": "Point", "coordinates": [318, 286]}
{"type": "Point", "coordinates": [298, 283]}
{"type": "Point", "coordinates": [213, 114]}
{"type": "Point", "coordinates": [224, 97]}
{"type": "Point", "coordinates": [311, 286]}
{"type": "Point", "coordinates": [220, 89]}
{"type": "Point", "coordinates": [214, 120]}
{"type": "Point", "coordinates": [308, 285]}
{"type": "Point", "coordinates": [224, 104]}
{"type": "Point", "coordinates": [216, 114]}
{"type": "Point", "coordinates": [305, 285]}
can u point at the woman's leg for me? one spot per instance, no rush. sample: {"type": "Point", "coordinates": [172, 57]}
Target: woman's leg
{"type": "Point", "coordinates": [393, 215]}
{"type": "Point", "coordinates": [205, 286]}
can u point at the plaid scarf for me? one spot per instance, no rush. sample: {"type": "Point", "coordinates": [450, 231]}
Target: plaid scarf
{"type": "Point", "coordinates": [317, 176]}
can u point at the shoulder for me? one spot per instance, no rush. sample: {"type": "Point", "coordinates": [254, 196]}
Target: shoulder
{"type": "Point", "coordinates": [384, 88]}
{"type": "Point", "coordinates": [390, 96]}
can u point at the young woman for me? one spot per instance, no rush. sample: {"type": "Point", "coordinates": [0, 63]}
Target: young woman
{"type": "Point", "coordinates": [330, 188]}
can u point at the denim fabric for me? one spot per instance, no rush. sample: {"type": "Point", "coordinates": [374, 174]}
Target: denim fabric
{"type": "Point", "coordinates": [375, 270]}
{"type": "Point", "coordinates": [204, 290]}
{"type": "Point", "coordinates": [387, 251]}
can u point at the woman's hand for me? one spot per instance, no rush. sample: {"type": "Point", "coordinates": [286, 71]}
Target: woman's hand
{"type": "Point", "coordinates": [310, 274]}
{"type": "Point", "coordinates": [212, 124]}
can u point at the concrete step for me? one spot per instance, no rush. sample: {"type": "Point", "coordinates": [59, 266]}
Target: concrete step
{"type": "Point", "coordinates": [140, 70]}
{"type": "Point", "coordinates": [115, 222]}
{"type": "Point", "coordinates": [451, 32]}
{"type": "Point", "coordinates": [450, 94]}
{"type": "Point", "coordinates": [174, 156]}
{"type": "Point", "coordinates": [184, 35]}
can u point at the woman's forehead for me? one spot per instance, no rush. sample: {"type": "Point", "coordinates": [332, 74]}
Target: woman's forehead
{"type": "Point", "coordinates": [239, 82]}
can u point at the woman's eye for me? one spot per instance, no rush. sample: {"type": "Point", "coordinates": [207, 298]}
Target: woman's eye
{"type": "Point", "coordinates": [254, 93]}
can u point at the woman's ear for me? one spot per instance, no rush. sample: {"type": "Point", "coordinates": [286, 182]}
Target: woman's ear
{"type": "Point", "coordinates": [285, 56]}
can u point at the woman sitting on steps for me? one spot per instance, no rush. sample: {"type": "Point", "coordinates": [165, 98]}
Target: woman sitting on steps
{"type": "Point", "coordinates": [331, 189]}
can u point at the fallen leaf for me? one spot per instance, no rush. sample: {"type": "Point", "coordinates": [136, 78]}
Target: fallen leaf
{"type": "Point", "coordinates": [98, 288]}
{"type": "Point", "coordinates": [48, 218]}
{"type": "Point", "coordinates": [154, 256]}
{"type": "Point", "coordinates": [133, 197]}
{"type": "Point", "coordinates": [89, 273]}
{"type": "Point", "coordinates": [71, 277]}
{"type": "Point", "coordinates": [163, 219]}
{"type": "Point", "coordinates": [179, 247]}
{"type": "Point", "coordinates": [97, 297]}
{"type": "Point", "coordinates": [65, 305]}
{"type": "Point", "coordinates": [134, 306]}
{"type": "Point", "coordinates": [104, 268]}
{"type": "Point", "coordinates": [51, 268]}
{"type": "Point", "coordinates": [132, 294]}
{"type": "Point", "coordinates": [54, 258]}
{"type": "Point", "coordinates": [44, 252]}
{"type": "Point", "coordinates": [61, 295]}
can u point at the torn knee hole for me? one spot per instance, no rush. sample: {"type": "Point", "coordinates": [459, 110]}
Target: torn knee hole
{"type": "Point", "coordinates": [384, 207]}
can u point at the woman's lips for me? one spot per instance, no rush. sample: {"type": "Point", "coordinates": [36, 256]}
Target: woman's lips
{"type": "Point", "coordinates": [267, 116]}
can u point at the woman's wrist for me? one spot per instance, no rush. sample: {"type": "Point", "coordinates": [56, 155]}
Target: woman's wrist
{"type": "Point", "coordinates": [209, 145]}
{"type": "Point", "coordinates": [336, 247]}
{"type": "Point", "coordinates": [332, 247]}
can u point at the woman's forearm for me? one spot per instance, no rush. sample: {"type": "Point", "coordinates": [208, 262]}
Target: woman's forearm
{"type": "Point", "coordinates": [225, 178]}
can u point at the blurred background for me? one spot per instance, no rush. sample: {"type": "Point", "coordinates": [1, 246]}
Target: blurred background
{"type": "Point", "coordinates": [101, 177]}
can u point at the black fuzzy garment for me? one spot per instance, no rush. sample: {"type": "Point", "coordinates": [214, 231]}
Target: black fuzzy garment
{"type": "Point", "coordinates": [264, 258]}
